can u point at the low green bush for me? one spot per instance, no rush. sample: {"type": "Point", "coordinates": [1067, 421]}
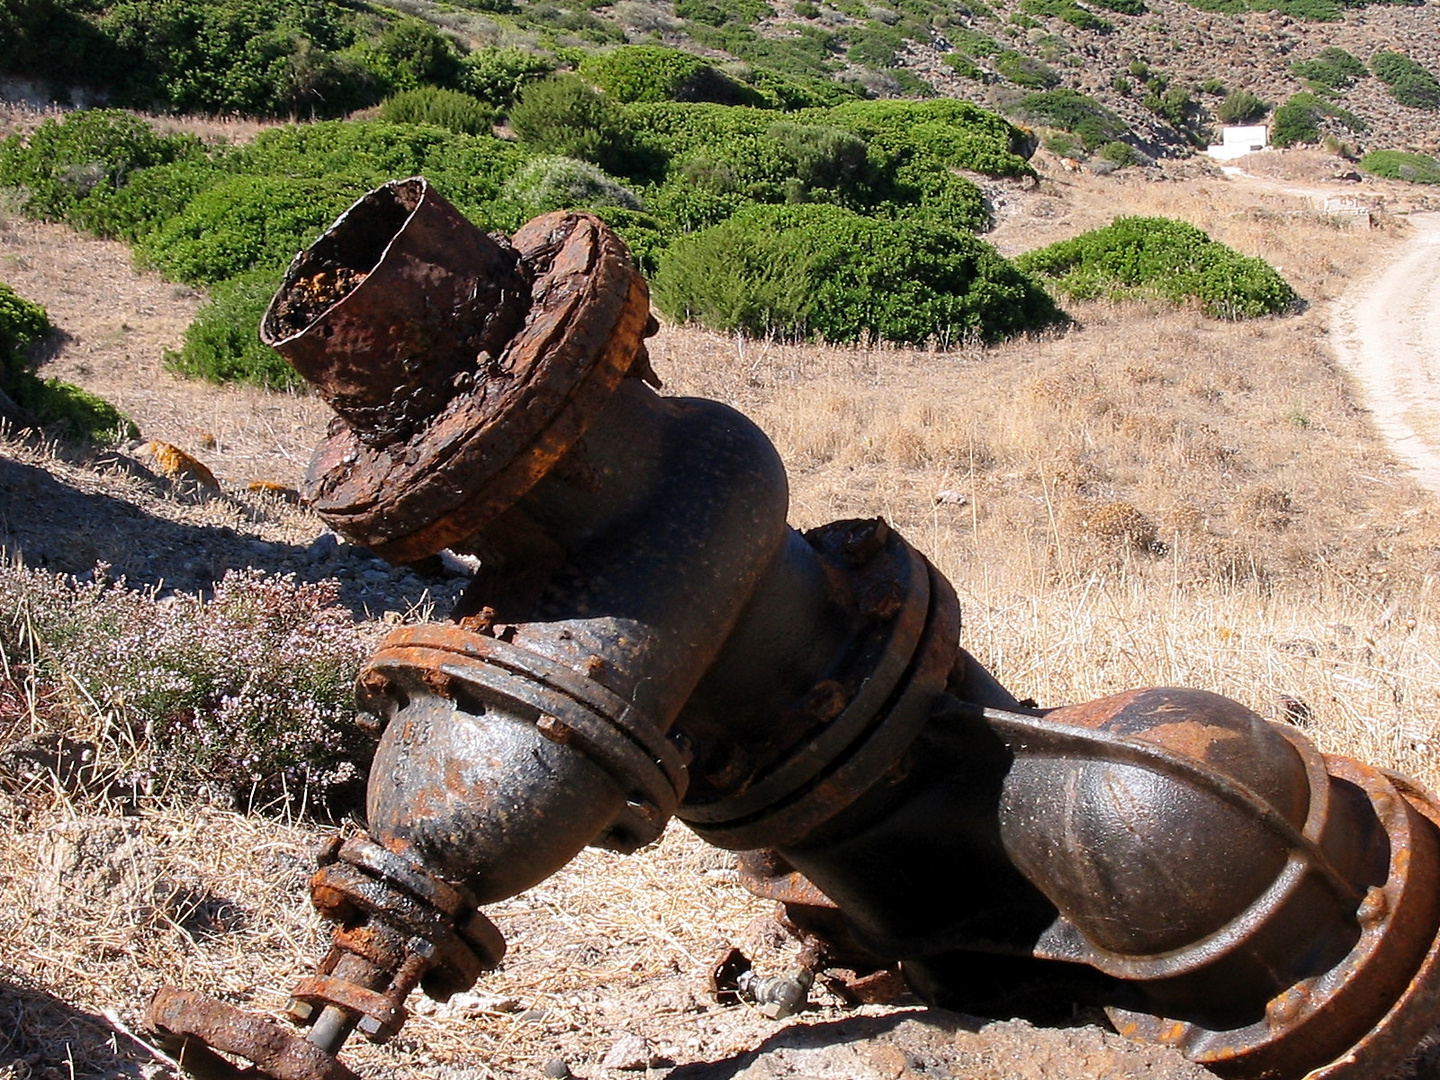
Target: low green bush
{"type": "Point", "coordinates": [65, 160]}
{"type": "Point", "coordinates": [973, 43]}
{"type": "Point", "coordinates": [22, 324]}
{"type": "Point", "coordinates": [449, 109]}
{"type": "Point", "coordinates": [1026, 71]}
{"type": "Point", "coordinates": [222, 343]}
{"type": "Point", "coordinates": [1067, 11]}
{"type": "Point", "coordinates": [561, 115]}
{"type": "Point", "coordinates": [874, 45]}
{"type": "Point", "coordinates": [1298, 120]}
{"type": "Point", "coordinates": [1123, 7]}
{"type": "Point", "coordinates": [149, 197]}
{"type": "Point", "coordinates": [412, 53]}
{"type": "Point", "coordinates": [963, 66]}
{"type": "Point", "coordinates": [244, 222]}
{"type": "Point", "coordinates": [65, 410]}
{"type": "Point", "coordinates": [1118, 153]}
{"type": "Point", "coordinates": [60, 408]}
{"type": "Point", "coordinates": [958, 134]}
{"type": "Point", "coordinates": [1074, 112]}
{"type": "Point", "coordinates": [1240, 107]}
{"type": "Point", "coordinates": [553, 183]}
{"type": "Point", "coordinates": [498, 75]}
{"type": "Point", "coordinates": [807, 271]}
{"type": "Point", "coordinates": [651, 73]}
{"type": "Point", "coordinates": [1399, 165]}
{"type": "Point", "coordinates": [1409, 82]}
{"type": "Point", "coordinates": [1159, 257]}
{"type": "Point", "coordinates": [1331, 70]}
{"type": "Point", "coordinates": [254, 57]}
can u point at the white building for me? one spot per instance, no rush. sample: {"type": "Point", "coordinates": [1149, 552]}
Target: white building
{"type": "Point", "coordinates": [1237, 141]}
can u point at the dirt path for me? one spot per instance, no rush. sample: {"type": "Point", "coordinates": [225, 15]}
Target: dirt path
{"type": "Point", "coordinates": [1386, 331]}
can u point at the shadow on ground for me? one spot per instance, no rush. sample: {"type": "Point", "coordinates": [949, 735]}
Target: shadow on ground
{"type": "Point", "coordinates": [66, 525]}
{"type": "Point", "coordinates": [41, 1036]}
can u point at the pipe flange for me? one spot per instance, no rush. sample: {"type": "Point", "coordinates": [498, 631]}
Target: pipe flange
{"type": "Point", "coordinates": [897, 693]}
{"type": "Point", "coordinates": [568, 708]}
{"type": "Point", "coordinates": [517, 410]}
{"type": "Point", "coordinates": [887, 582]}
{"type": "Point", "coordinates": [462, 943]}
{"type": "Point", "coordinates": [191, 1027]}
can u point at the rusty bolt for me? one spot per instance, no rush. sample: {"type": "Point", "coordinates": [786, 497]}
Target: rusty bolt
{"type": "Point", "coordinates": [554, 729]}
{"type": "Point", "coordinates": [826, 700]}
{"type": "Point", "coordinates": [1373, 908]}
{"type": "Point", "coordinates": [881, 600]}
{"type": "Point", "coordinates": [302, 1012]}
{"type": "Point", "coordinates": [864, 540]}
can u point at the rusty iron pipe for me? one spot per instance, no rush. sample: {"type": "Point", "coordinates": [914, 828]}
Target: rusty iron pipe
{"type": "Point", "coordinates": [646, 638]}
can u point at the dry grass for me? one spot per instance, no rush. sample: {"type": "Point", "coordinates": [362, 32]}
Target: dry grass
{"type": "Point", "coordinates": [1291, 561]}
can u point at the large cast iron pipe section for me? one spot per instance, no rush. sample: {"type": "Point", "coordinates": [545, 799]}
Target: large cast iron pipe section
{"type": "Point", "coordinates": [647, 639]}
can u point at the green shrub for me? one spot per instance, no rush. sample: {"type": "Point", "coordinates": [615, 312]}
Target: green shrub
{"type": "Point", "coordinates": [561, 115]}
{"type": "Point", "coordinates": [67, 411]}
{"type": "Point", "coordinates": [1074, 112]}
{"type": "Point", "coordinates": [1123, 7]}
{"type": "Point", "coordinates": [805, 271]}
{"type": "Point", "coordinates": [1240, 107]}
{"type": "Point", "coordinates": [958, 134]}
{"type": "Point", "coordinates": [1294, 123]}
{"type": "Point", "coordinates": [963, 66]}
{"type": "Point", "coordinates": [874, 45]}
{"type": "Point", "coordinates": [1063, 144]}
{"type": "Point", "coordinates": [1409, 82]}
{"type": "Point", "coordinates": [222, 344]}
{"type": "Point", "coordinates": [1398, 165]}
{"type": "Point", "coordinates": [554, 183]}
{"type": "Point", "coordinates": [449, 109]}
{"type": "Point", "coordinates": [498, 75]}
{"type": "Point", "coordinates": [1026, 71]}
{"type": "Point", "coordinates": [149, 197]}
{"type": "Point", "coordinates": [1118, 153]}
{"type": "Point", "coordinates": [244, 222]}
{"type": "Point", "coordinates": [1298, 120]}
{"type": "Point", "coordinates": [1331, 70]}
{"type": "Point", "coordinates": [60, 408]}
{"type": "Point", "coordinates": [63, 161]}
{"type": "Point", "coordinates": [256, 57]}
{"type": "Point", "coordinates": [973, 43]}
{"type": "Point", "coordinates": [1067, 11]}
{"type": "Point", "coordinates": [1158, 257]}
{"type": "Point", "coordinates": [633, 73]}
{"type": "Point", "coordinates": [22, 324]}
{"type": "Point", "coordinates": [412, 53]}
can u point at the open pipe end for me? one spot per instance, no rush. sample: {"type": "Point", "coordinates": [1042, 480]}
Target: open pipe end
{"type": "Point", "coordinates": [464, 366]}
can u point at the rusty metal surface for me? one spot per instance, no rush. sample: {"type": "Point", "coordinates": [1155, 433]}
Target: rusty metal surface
{"type": "Point", "coordinates": [588, 314]}
{"type": "Point", "coordinates": [846, 700]}
{"type": "Point", "coordinates": [645, 629]}
{"type": "Point", "coordinates": [1363, 1014]}
{"type": "Point", "coordinates": [1172, 827]}
{"type": "Point", "coordinates": [396, 309]}
{"type": "Point", "coordinates": [190, 1027]}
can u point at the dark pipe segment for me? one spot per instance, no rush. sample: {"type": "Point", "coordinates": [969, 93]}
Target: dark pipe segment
{"type": "Point", "coordinates": [647, 639]}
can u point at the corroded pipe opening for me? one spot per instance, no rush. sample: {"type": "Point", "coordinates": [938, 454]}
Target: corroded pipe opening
{"type": "Point", "coordinates": [398, 308]}
{"type": "Point", "coordinates": [464, 367]}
